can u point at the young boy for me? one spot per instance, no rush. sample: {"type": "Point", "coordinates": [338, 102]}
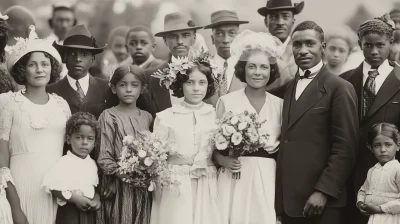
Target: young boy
{"type": "Point", "coordinates": [377, 84]}
{"type": "Point", "coordinates": [141, 45]}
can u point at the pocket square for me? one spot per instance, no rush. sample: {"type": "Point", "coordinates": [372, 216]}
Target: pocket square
{"type": "Point", "coordinates": [395, 102]}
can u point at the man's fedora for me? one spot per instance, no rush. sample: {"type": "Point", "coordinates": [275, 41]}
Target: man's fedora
{"type": "Point", "coordinates": [79, 37]}
{"type": "Point", "coordinates": [177, 22]}
{"type": "Point", "coordinates": [224, 17]}
{"type": "Point", "coordinates": [273, 5]}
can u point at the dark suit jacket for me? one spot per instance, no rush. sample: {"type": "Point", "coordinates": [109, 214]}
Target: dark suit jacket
{"type": "Point", "coordinates": [318, 143]}
{"type": "Point", "coordinates": [153, 64]}
{"type": "Point", "coordinates": [385, 108]}
{"type": "Point", "coordinates": [95, 99]}
{"type": "Point", "coordinates": [157, 97]}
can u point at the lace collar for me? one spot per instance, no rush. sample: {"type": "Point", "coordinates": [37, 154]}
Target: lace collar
{"type": "Point", "coordinates": [184, 108]}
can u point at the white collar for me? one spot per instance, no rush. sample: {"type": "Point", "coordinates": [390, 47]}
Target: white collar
{"type": "Point", "coordinates": [220, 61]}
{"type": "Point", "coordinates": [383, 69]}
{"type": "Point", "coordinates": [69, 153]}
{"type": "Point", "coordinates": [151, 58]}
{"type": "Point", "coordinates": [313, 70]}
{"type": "Point", "coordinates": [84, 82]}
{"type": "Point", "coordinates": [387, 165]}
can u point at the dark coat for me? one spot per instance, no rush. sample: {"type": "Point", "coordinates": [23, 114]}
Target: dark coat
{"type": "Point", "coordinates": [95, 99]}
{"type": "Point", "coordinates": [318, 143]}
{"type": "Point", "coordinates": [385, 108]}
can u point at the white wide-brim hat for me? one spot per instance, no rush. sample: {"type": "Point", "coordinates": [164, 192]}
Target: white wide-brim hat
{"type": "Point", "coordinates": [28, 45]}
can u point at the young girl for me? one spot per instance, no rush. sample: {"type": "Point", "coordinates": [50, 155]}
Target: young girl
{"type": "Point", "coordinates": [123, 203]}
{"type": "Point", "coordinates": [73, 179]}
{"type": "Point", "coordinates": [379, 197]}
{"type": "Point", "coordinates": [188, 128]}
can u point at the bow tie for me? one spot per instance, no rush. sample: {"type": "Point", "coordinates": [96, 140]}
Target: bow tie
{"type": "Point", "coordinates": [305, 76]}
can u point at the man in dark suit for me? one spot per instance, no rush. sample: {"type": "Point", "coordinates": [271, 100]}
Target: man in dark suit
{"type": "Point", "coordinates": [179, 35]}
{"type": "Point", "coordinates": [82, 91]}
{"type": "Point", "coordinates": [379, 104]}
{"type": "Point", "coordinates": [318, 138]}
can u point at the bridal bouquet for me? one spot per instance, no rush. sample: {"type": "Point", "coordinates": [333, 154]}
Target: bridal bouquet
{"type": "Point", "coordinates": [239, 134]}
{"type": "Point", "coordinates": [144, 160]}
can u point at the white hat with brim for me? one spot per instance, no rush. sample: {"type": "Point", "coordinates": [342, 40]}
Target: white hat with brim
{"type": "Point", "coordinates": [28, 45]}
{"type": "Point", "coordinates": [177, 21]}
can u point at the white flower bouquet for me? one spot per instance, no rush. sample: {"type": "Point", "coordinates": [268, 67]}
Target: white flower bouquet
{"type": "Point", "coordinates": [144, 159]}
{"type": "Point", "coordinates": [239, 134]}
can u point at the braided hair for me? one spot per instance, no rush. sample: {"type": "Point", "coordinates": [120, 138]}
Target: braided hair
{"type": "Point", "coordinates": [376, 26]}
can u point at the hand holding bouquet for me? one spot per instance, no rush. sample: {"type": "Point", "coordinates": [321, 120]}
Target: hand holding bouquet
{"type": "Point", "coordinates": [240, 135]}
{"type": "Point", "coordinates": [143, 159]}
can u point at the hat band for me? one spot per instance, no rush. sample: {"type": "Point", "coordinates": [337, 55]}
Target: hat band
{"type": "Point", "coordinates": [81, 40]}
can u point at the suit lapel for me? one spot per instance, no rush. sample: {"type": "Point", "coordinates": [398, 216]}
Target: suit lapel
{"type": "Point", "coordinates": [92, 88]}
{"type": "Point", "coordinates": [286, 103]}
{"type": "Point", "coordinates": [160, 94]}
{"type": "Point", "coordinates": [356, 80]}
{"type": "Point", "coordinates": [389, 87]}
{"type": "Point", "coordinates": [310, 96]}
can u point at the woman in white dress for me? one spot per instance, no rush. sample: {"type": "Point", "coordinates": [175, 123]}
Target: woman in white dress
{"type": "Point", "coordinates": [32, 129]}
{"type": "Point", "coordinates": [188, 128]}
{"type": "Point", "coordinates": [250, 199]}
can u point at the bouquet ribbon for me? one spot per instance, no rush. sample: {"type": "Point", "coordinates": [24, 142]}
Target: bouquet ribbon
{"type": "Point", "coordinates": [197, 169]}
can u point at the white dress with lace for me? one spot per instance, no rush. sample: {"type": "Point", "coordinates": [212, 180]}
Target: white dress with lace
{"type": "Point", "coordinates": [382, 188]}
{"type": "Point", "coordinates": [36, 138]}
{"type": "Point", "coordinates": [188, 130]}
{"type": "Point", "coordinates": [251, 199]}
{"type": "Point", "coordinates": [5, 209]}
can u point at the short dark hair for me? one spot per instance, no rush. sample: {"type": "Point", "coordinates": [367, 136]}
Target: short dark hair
{"type": "Point", "coordinates": [19, 69]}
{"type": "Point", "coordinates": [78, 119]}
{"type": "Point", "coordinates": [203, 67]}
{"type": "Point", "coordinates": [310, 25]}
{"type": "Point", "coordinates": [63, 8]}
{"type": "Point", "coordinates": [240, 71]}
{"type": "Point", "coordinates": [375, 26]}
{"type": "Point", "coordinates": [385, 129]}
{"type": "Point", "coordinates": [139, 28]}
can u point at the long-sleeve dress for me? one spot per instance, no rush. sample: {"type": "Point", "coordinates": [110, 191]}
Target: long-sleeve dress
{"type": "Point", "coordinates": [188, 130]}
{"type": "Point", "coordinates": [36, 137]}
{"type": "Point", "coordinates": [130, 205]}
{"type": "Point", "coordinates": [250, 199]}
{"type": "Point", "coordinates": [382, 188]}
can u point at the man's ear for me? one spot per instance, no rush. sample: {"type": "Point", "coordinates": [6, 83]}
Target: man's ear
{"type": "Point", "coordinates": [153, 46]}
{"type": "Point", "coordinates": [75, 22]}
{"type": "Point", "coordinates": [165, 41]}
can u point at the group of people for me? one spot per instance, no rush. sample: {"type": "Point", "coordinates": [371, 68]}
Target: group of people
{"type": "Point", "coordinates": [333, 137]}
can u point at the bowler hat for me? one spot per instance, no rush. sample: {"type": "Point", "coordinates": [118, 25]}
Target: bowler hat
{"type": "Point", "coordinates": [273, 5]}
{"type": "Point", "coordinates": [79, 37]}
{"type": "Point", "coordinates": [224, 17]}
{"type": "Point", "coordinates": [177, 22]}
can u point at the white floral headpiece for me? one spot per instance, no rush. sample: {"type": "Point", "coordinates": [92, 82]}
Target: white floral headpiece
{"type": "Point", "coordinates": [30, 44]}
{"type": "Point", "coordinates": [181, 64]}
{"type": "Point", "coordinates": [3, 17]}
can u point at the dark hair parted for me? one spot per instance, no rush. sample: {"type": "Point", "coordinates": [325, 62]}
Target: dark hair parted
{"type": "Point", "coordinates": [310, 25]}
{"type": "Point", "coordinates": [385, 129]}
{"type": "Point", "coordinates": [240, 67]}
{"type": "Point", "coordinates": [78, 119]}
{"type": "Point", "coordinates": [375, 26]}
{"type": "Point", "coordinates": [18, 72]}
{"type": "Point", "coordinates": [139, 28]}
{"type": "Point", "coordinates": [203, 67]}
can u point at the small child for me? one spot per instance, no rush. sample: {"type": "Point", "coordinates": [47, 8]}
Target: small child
{"type": "Point", "coordinates": [379, 197]}
{"type": "Point", "coordinates": [74, 178]}
{"type": "Point", "coordinates": [141, 45]}
{"type": "Point", "coordinates": [5, 208]}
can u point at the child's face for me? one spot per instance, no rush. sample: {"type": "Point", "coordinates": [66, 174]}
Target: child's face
{"type": "Point", "coordinates": [195, 88]}
{"type": "Point", "coordinates": [82, 141]}
{"type": "Point", "coordinates": [337, 52]}
{"type": "Point", "coordinates": [118, 48]}
{"type": "Point", "coordinates": [128, 89]}
{"type": "Point", "coordinates": [376, 48]}
{"type": "Point", "coordinates": [139, 46]}
{"type": "Point", "coordinates": [384, 148]}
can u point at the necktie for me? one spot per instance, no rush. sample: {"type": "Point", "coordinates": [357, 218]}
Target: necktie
{"type": "Point", "coordinates": [305, 76]}
{"type": "Point", "coordinates": [80, 92]}
{"type": "Point", "coordinates": [369, 91]}
{"type": "Point", "coordinates": [223, 83]}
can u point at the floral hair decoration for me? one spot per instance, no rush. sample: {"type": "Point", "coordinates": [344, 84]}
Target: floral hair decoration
{"type": "Point", "coordinates": [3, 17]}
{"type": "Point", "coordinates": [180, 65]}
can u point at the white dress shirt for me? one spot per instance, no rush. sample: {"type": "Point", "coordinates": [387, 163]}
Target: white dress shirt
{"type": "Point", "coordinates": [84, 82]}
{"type": "Point", "coordinates": [219, 61]}
{"type": "Point", "coordinates": [284, 44]}
{"type": "Point", "coordinates": [384, 70]}
{"type": "Point", "coordinates": [303, 83]}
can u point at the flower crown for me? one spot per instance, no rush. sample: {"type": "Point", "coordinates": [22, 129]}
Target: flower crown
{"type": "Point", "coordinates": [180, 65]}
{"type": "Point", "coordinates": [3, 17]}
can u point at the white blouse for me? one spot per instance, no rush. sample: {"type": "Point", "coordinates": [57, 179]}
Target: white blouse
{"type": "Point", "coordinates": [72, 173]}
{"type": "Point", "coordinates": [271, 112]}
